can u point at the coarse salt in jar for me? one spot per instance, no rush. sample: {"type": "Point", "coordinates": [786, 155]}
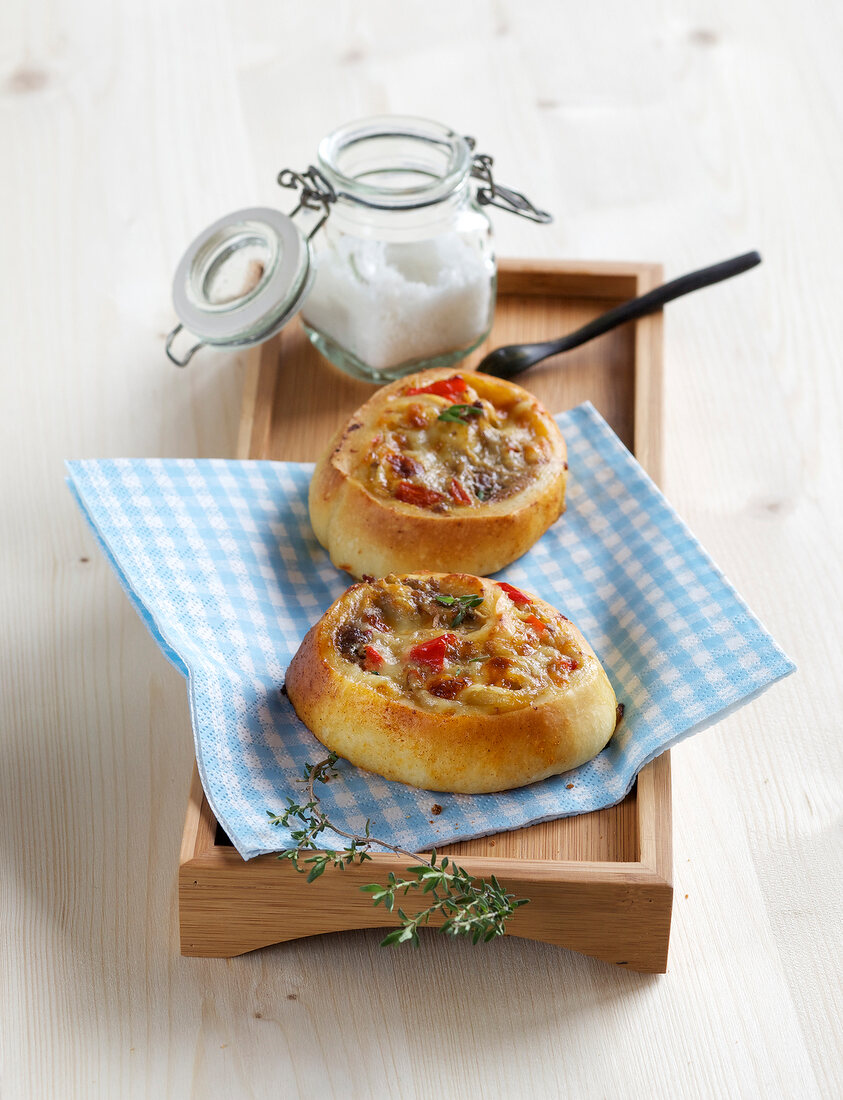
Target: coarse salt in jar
{"type": "Point", "coordinates": [405, 266]}
{"type": "Point", "coordinates": [391, 261]}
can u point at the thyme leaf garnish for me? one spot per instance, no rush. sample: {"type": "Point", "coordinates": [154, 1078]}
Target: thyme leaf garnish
{"type": "Point", "coordinates": [460, 414]}
{"type": "Point", "coordinates": [478, 908]}
{"type": "Point", "coordinates": [472, 661]}
{"type": "Point", "coordinates": [461, 603]}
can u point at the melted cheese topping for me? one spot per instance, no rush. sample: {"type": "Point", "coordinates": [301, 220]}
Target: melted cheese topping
{"type": "Point", "coordinates": [449, 453]}
{"type": "Point", "coordinates": [447, 643]}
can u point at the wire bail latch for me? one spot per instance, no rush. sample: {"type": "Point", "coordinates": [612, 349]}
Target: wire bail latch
{"type": "Point", "coordinates": [504, 198]}
{"type": "Point", "coordinates": [316, 193]}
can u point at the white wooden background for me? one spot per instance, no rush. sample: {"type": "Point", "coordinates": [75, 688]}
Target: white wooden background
{"type": "Point", "coordinates": [681, 131]}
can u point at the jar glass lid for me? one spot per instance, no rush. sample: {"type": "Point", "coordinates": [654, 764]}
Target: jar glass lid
{"type": "Point", "coordinates": [240, 280]}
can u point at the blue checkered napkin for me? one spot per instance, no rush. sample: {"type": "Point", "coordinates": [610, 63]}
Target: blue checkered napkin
{"type": "Point", "coordinates": [219, 559]}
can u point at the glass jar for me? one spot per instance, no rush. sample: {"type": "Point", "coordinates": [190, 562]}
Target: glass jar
{"type": "Point", "coordinates": [405, 265]}
{"type": "Point", "coordinates": [388, 255]}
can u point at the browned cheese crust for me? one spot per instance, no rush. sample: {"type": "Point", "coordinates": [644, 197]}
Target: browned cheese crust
{"type": "Point", "coordinates": [467, 478]}
{"type": "Point", "coordinates": [451, 682]}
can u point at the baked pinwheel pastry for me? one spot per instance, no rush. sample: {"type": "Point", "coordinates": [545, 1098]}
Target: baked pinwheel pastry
{"type": "Point", "coordinates": [451, 682]}
{"type": "Point", "coordinates": [439, 471]}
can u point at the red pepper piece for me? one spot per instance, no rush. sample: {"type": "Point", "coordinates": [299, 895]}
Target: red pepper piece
{"type": "Point", "coordinates": [515, 594]}
{"type": "Point", "coordinates": [409, 493]}
{"type": "Point", "coordinates": [458, 493]}
{"type": "Point", "coordinates": [446, 387]}
{"type": "Point", "coordinates": [373, 658]}
{"type": "Point", "coordinates": [567, 663]}
{"type": "Point", "coordinates": [536, 623]}
{"type": "Point", "coordinates": [434, 652]}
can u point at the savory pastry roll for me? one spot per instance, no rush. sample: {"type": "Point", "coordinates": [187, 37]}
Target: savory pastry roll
{"type": "Point", "coordinates": [439, 471]}
{"type": "Point", "coordinates": [451, 682]}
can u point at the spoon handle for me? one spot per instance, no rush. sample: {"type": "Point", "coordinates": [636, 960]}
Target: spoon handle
{"type": "Point", "coordinates": [653, 300]}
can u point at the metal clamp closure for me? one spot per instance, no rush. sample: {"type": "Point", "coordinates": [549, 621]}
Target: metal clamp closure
{"type": "Point", "coordinates": [187, 355]}
{"type": "Point", "coordinates": [494, 194]}
{"type": "Point", "coordinates": [316, 193]}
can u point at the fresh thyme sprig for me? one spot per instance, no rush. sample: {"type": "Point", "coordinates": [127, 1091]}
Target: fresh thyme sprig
{"type": "Point", "coordinates": [461, 603]}
{"type": "Point", "coordinates": [471, 907]}
{"type": "Point", "coordinates": [459, 414]}
{"type": "Point", "coordinates": [314, 822]}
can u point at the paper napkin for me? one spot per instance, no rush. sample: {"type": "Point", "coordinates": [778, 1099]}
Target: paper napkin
{"type": "Point", "coordinates": [220, 561]}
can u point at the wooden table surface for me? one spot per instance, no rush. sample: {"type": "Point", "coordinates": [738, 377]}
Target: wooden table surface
{"type": "Point", "coordinates": [682, 133]}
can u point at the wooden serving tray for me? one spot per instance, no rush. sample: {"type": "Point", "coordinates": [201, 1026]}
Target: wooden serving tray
{"type": "Point", "coordinates": [599, 883]}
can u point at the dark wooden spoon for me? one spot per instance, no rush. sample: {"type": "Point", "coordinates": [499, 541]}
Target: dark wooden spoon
{"type": "Point", "coordinates": [511, 360]}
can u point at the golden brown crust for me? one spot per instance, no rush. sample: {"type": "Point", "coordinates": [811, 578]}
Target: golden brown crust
{"type": "Point", "coordinates": [449, 746]}
{"type": "Point", "coordinates": [367, 532]}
